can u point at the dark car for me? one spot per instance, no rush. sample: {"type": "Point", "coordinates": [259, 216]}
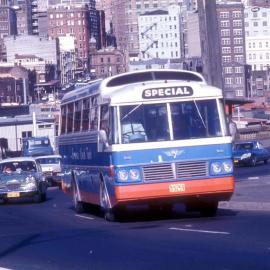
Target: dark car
{"type": "Point", "coordinates": [250, 153]}
{"type": "Point", "coordinates": [22, 177]}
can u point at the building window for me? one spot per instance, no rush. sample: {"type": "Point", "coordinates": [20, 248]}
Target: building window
{"type": "Point", "coordinates": [225, 23]}
{"type": "Point", "coordinates": [228, 80]}
{"type": "Point", "coordinates": [238, 69]}
{"type": "Point", "coordinates": [239, 92]}
{"type": "Point", "coordinates": [225, 32]}
{"type": "Point", "coordinates": [228, 70]}
{"type": "Point", "coordinates": [226, 49]}
{"type": "Point", "coordinates": [224, 15]}
{"type": "Point", "coordinates": [226, 59]}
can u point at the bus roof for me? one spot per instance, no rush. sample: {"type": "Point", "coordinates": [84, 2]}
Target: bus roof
{"type": "Point", "coordinates": [130, 82]}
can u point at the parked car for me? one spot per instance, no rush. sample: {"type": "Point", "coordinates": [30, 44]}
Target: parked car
{"type": "Point", "coordinates": [250, 153]}
{"type": "Point", "coordinates": [22, 177]}
{"type": "Point", "coordinates": [51, 166]}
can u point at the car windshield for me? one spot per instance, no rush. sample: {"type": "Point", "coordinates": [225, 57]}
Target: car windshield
{"type": "Point", "coordinates": [244, 146]}
{"type": "Point", "coordinates": [49, 160]}
{"type": "Point", "coordinates": [18, 166]}
{"type": "Point", "coordinates": [150, 122]}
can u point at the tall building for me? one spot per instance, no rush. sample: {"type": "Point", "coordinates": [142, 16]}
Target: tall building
{"type": "Point", "coordinates": [71, 20]}
{"type": "Point", "coordinates": [24, 17]}
{"type": "Point", "coordinates": [7, 25]}
{"type": "Point", "coordinates": [159, 34]}
{"type": "Point", "coordinates": [230, 16]}
{"type": "Point", "coordinates": [257, 23]}
{"type": "Point", "coordinates": [125, 15]}
{"type": "Point", "coordinates": [210, 43]}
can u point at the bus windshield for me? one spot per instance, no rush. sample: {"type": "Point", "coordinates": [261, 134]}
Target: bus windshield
{"type": "Point", "coordinates": [150, 122]}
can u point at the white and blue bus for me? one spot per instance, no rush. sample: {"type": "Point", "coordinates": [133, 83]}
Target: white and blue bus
{"type": "Point", "coordinates": [155, 136]}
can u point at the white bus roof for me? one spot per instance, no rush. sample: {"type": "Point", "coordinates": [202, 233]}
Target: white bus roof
{"type": "Point", "coordinates": [122, 87]}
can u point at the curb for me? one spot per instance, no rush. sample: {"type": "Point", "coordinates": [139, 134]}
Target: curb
{"type": "Point", "coordinates": [249, 206]}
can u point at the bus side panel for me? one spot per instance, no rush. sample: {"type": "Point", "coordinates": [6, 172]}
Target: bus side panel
{"type": "Point", "coordinates": [83, 163]}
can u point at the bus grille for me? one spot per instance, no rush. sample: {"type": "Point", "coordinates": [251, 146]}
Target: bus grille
{"type": "Point", "coordinates": [158, 172]}
{"type": "Point", "coordinates": [171, 171]}
{"type": "Point", "coordinates": [191, 169]}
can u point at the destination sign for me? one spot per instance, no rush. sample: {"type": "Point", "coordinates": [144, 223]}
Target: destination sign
{"type": "Point", "coordinates": [167, 92]}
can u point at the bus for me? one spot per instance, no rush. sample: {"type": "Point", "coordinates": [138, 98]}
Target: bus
{"type": "Point", "coordinates": [155, 137]}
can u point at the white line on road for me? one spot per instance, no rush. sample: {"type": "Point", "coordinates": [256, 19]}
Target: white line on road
{"type": "Point", "coordinates": [80, 216]}
{"type": "Point", "coordinates": [199, 231]}
{"type": "Point", "coordinates": [253, 178]}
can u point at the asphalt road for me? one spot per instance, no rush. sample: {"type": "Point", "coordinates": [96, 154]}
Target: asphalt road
{"type": "Point", "coordinates": [51, 236]}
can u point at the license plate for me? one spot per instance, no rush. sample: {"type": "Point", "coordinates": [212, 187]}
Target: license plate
{"type": "Point", "coordinates": [236, 161]}
{"type": "Point", "coordinates": [13, 194]}
{"type": "Point", "coordinates": [177, 188]}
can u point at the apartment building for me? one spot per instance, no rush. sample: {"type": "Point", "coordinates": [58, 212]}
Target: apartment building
{"type": "Point", "coordinates": [230, 17]}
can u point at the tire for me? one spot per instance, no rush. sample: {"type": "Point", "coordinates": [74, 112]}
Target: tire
{"type": "Point", "coordinates": [105, 205]}
{"type": "Point", "coordinates": [209, 209]}
{"type": "Point", "coordinates": [253, 161]}
{"type": "Point", "coordinates": [38, 198]}
{"type": "Point", "coordinates": [77, 205]}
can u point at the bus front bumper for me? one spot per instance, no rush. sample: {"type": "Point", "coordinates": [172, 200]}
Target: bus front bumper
{"type": "Point", "coordinates": [218, 189]}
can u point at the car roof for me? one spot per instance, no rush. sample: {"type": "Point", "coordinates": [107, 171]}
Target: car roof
{"type": "Point", "coordinates": [17, 159]}
{"type": "Point", "coordinates": [48, 156]}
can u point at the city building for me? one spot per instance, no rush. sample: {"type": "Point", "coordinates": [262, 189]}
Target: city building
{"type": "Point", "coordinates": [107, 62]}
{"type": "Point", "coordinates": [125, 19]}
{"type": "Point", "coordinates": [24, 17]}
{"type": "Point", "coordinates": [14, 82]}
{"type": "Point", "coordinates": [159, 34]}
{"type": "Point", "coordinates": [67, 59]}
{"type": "Point", "coordinates": [230, 17]}
{"type": "Point", "coordinates": [7, 25]}
{"type": "Point", "coordinates": [71, 20]}
{"type": "Point", "coordinates": [257, 22]}
{"type": "Point", "coordinates": [210, 43]}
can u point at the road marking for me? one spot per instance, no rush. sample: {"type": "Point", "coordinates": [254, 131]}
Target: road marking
{"type": "Point", "coordinates": [199, 231]}
{"type": "Point", "coordinates": [80, 216]}
{"type": "Point", "coordinates": [253, 178]}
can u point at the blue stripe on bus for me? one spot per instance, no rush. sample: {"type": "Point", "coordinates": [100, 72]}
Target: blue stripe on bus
{"type": "Point", "coordinates": [86, 154]}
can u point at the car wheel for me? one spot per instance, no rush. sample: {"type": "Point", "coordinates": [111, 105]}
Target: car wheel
{"type": "Point", "coordinates": [78, 205]}
{"type": "Point", "coordinates": [105, 203]}
{"type": "Point", "coordinates": [253, 161]}
{"type": "Point", "coordinates": [37, 198]}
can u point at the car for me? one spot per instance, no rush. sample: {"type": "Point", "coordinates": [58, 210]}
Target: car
{"type": "Point", "coordinates": [22, 177]}
{"type": "Point", "coordinates": [51, 166]}
{"type": "Point", "coordinates": [36, 146]}
{"type": "Point", "coordinates": [249, 153]}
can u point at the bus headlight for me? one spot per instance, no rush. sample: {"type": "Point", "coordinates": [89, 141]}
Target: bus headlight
{"type": "Point", "coordinates": [216, 167]}
{"type": "Point", "coordinates": [122, 175]}
{"type": "Point", "coordinates": [221, 167]}
{"type": "Point", "coordinates": [128, 175]}
{"type": "Point", "coordinates": [134, 174]}
{"type": "Point", "coordinates": [227, 166]}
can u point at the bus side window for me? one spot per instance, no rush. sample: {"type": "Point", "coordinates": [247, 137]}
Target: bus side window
{"type": "Point", "coordinates": [70, 117]}
{"type": "Point", "coordinates": [77, 115]}
{"type": "Point", "coordinates": [63, 119]}
{"type": "Point", "coordinates": [85, 114]}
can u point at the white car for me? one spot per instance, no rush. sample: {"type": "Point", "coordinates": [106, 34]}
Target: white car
{"type": "Point", "coordinates": [51, 166]}
{"type": "Point", "coordinates": [22, 177]}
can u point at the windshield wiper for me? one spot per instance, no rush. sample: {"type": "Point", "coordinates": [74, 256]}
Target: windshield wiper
{"type": "Point", "coordinates": [199, 113]}
{"type": "Point", "coordinates": [130, 112]}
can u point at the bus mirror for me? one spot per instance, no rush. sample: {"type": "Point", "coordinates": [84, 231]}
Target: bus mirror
{"type": "Point", "coordinates": [103, 139]}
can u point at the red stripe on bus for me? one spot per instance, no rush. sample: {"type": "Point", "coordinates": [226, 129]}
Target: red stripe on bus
{"type": "Point", "coordinates": [173, 189]}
